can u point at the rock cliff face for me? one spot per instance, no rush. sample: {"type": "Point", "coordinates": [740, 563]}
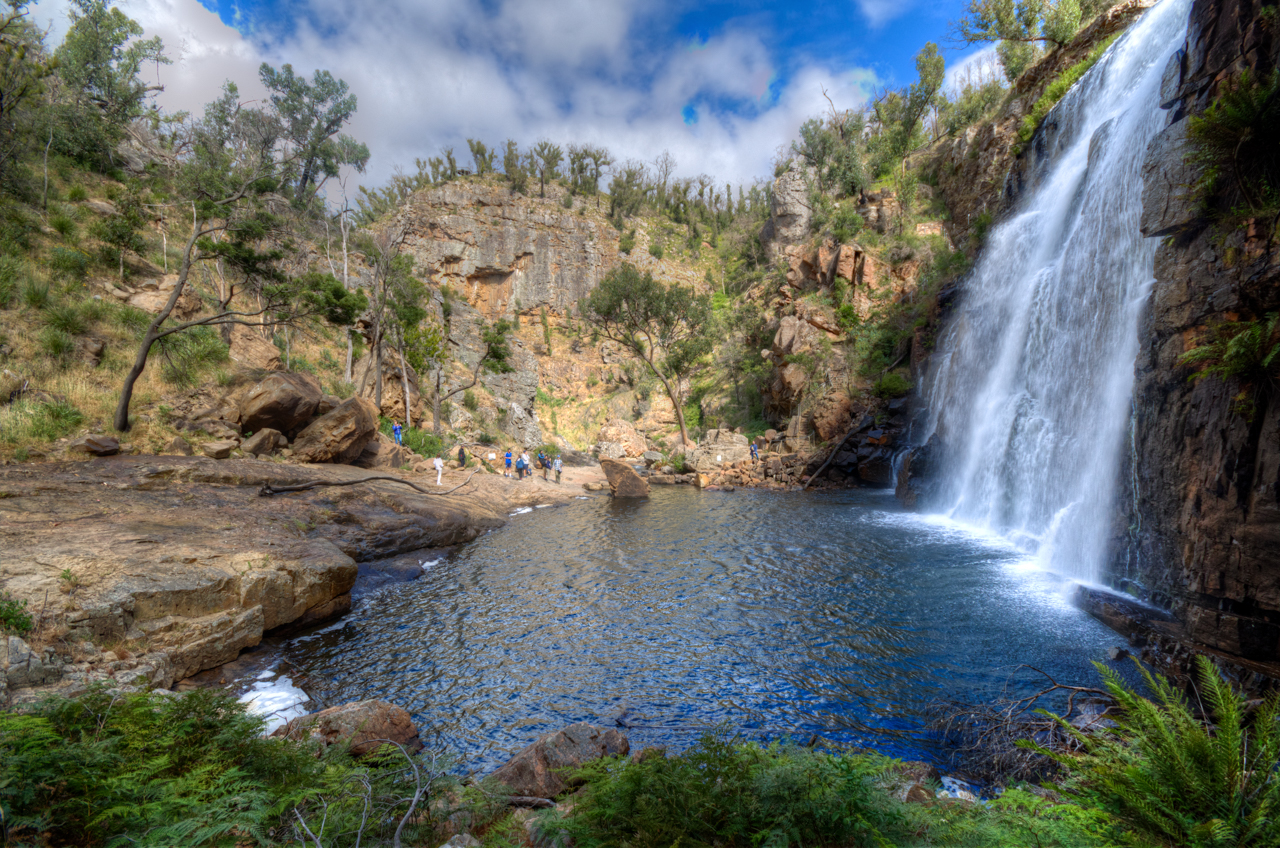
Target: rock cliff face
{"type": "Point", "coordinates": [499, 249]}
{"type": "Point", "coordinates": [1201, 504]}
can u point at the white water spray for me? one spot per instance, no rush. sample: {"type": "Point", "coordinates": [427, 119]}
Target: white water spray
{"type": "Point", "coordinates": [1031, 384]}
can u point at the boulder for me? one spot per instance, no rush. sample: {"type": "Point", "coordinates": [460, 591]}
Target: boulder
{"type": "Point", "coordinates": [220, 449]}
{"type": "Point", "coordinates": [263, 443]}
{"type": "Point", "coordinates": [180, 447]}
{"type": "Point", "coordinates": [624, 482]}
{"type": "Point", "coordinates": [622, 433]}
{"type": "Point", "coordinates": [832, 416]}
{"type": "Point", "coordinates": [365, 376]}
{"type": "Point", "coordinates": [383, 452]}
{"type": "Point", "coordinates": [283, 401]}
{"type": "Point", "coordinates": [538, 770]}
{"type": "Point", "coordinates": [96, 445]}
{"type": "Point", "coordinates": [328, 403]}
{"type": "Point", "coordinates": [20, 666]}
{"type": "Point", "coordinates": [339, 436]}
{"type": "Point", "coordinates": [651, 458]}
{"type": "Point", "coordinates": [251, 350]}
{"type": "Point", "coordinates": [359, 724]}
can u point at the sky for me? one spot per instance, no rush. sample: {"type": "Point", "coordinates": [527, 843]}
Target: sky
{"type": "Point", "coordinates": [722, 86]}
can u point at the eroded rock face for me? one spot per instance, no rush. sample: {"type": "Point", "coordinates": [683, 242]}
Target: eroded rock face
{"type": "Point", "coordinates": [790, 214]}
{"type": "Point", "coordinates": [619, 439]}
{"type": "Point", "coordinates": [537, 770]}
{"type": "Point", "coordinates": [719, 448]}
{"type": "Point", "coordinates": [624, 482]}
{"type": "Point", "coordinates": [283, 401]}
{"type": "Point", "coordinates": [360, 725]}
{"type": "Point", "coordinates": [339, 436]}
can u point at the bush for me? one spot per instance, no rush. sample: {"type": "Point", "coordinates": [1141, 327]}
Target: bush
{"type": "Point", "coordinates": [64, 225]}
{"type": "Point", "coordinates": [1233, 141]}
{"type": "Point", "coordinates": [1248, 351]}
{"type": "Point", "coordinates": [1176, 778]}
{"type": "Point", "coordinates": [655, 250]}
{"type": "Point", "coordinates": [66, 317]}
{"type": "Point", "coordinates": [77, 193]}
{"type": "Point", "coordinates": [35, 294]}
{"type": "Point", "coordinates": [8, 290]}
{"type": "Point", "coordinates": [129, 318]}
{"type": "Point", "coordinates": [25, 420]}
{"type": "Point", "coordinates": [627, 242]}
{"type": "Point", "coordinates": [13, 615]}
{"type": "Point", "coordinates": [184, 356]}
{"type": "Point", "coordinates": [68, 264]}
{"type": "Point", "coordinates": [846, 223]}
{"type": "Point", "coordinates": [891, 386]}
{"type": "Point", "coordinates": [57, 344]}
{"type": "Point", "coordinates": [470, 401]}
{"type": "Point", "coordinates": [847, 317]}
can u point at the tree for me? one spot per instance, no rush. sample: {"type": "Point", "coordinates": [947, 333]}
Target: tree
{"type": "Point", "coordinates": [626, 191]}
{"type": "Point", "coordinates": [312, 115]}
{"type": "Point", "coordinates": [900, 113]}
{"type": "Point", "coordinates": [513, 167]}
{"type": "Point", "coordinates": [121, 232]}
{"type": "Point", "coordinates": [546, 159]}
{"type": "Point", "coordinates": [665, 326]}
{"type": "Point", "coordinates": [1019, 25]}
{"type": "Point", "coordinates": [234, 160]}
{"type": "Point", "coordinates": [23, 69]}
{"type": "Point", "coordinates": [95, 62]}
{"type": "Point", "coordinates": [482, 156]}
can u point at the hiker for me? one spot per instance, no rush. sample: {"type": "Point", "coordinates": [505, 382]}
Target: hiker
{"type": "Point", "coordinates": [558, 465]}
{"type": "Point", "coordinates": [438, 462]}
{"type": "Point", "coordinates": [755, 453]}
{"type": "Point", "coordinates": [507, 473]}
{"type": "Point", "coordinates": [543, 464]}
{"type": "Point", "coordinates": [520, 468]}
{"type": "Point", "coordinates": [462, 457]}
{"type": "Point", "coordinates": [528, 463]}
{"type": "Point", "coordinates": [395, 431]}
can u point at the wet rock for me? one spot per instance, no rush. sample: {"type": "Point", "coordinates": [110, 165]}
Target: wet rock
{"type": "Point", "coordinates": [340, 436]}
{"type": "Point", "coordinates": [220, 449]}
{"type": "Point", "coordinates": [283, 401]}
{"type": "Point", "coordinates": [359, 724]}
{"type": "Point", "coordinates": [263, 443]}
{"type": "Point", "coordinates": [96, 445]}
{"type": "Point", "coordinates": [624, 482]}
{"type": "Point", "coordinates": [538, 769]}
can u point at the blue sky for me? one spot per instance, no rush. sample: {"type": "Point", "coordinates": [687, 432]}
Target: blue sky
{"type": "Point", "coordinates": [722, 86]}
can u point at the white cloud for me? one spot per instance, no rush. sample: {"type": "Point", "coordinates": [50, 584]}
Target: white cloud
{"type": "Point", "coordinates": [978, 67]}
{"type": "Point", "coordinates": [880, 12]}
{"type": "Point", "coordinates": [433, 74]}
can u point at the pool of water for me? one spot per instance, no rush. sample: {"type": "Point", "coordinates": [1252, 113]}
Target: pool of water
{"type": "Point", "coordinates": [832, 614]}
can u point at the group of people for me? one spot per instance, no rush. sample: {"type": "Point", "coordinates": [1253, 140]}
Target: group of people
{"type": "Point", "coordinates": [524, 466]}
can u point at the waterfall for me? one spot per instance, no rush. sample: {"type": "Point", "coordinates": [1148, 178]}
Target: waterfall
{"type": "Point", "coordinates": [1030, 386]}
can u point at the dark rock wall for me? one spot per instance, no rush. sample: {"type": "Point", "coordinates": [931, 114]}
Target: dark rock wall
{"type": "Point", "coordinates": [1201, 523]}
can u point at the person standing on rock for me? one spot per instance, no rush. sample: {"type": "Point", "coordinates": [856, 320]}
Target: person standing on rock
{"type": "Point", "coordinates": [507, 473]}
{"type": "Point", "coordinates": [438, 462]}
{"type": "Point", "coordinates": [543, 464]}
{"type": "Point", "coordinates": [395, 431]}
{"type": "Point", "coordinates": [558, 466]}
{"type": "Point", "coordinates": [462, 457]}
{"type": "Point", "coordinates": [755, 453]}
{"type": "Point", "coordinates": [520, 468]}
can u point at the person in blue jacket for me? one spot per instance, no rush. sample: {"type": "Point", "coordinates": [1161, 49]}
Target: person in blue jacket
{"type": "Point", "coordinates": [395, 431]}
{"type": "Point", "coordinates": [508, 471]}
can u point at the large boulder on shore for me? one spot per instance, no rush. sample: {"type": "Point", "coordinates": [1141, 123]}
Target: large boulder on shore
{"type": "Point", "coordinates": [383, 452]}
{"type": "Point", "coordinates": [361, 724]}
{"type": "Point", "coordinates": [283, 401]}
{"type": "Point", "coordinates": [624, 482]}
{"type": "Point", "coordinates": [339, 436]}
{"type": "Point", "coordinates": [539, 770]}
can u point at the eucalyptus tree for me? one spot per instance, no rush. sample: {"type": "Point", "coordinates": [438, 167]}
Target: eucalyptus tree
{"type": "Point", "coordinates": [546, 161]}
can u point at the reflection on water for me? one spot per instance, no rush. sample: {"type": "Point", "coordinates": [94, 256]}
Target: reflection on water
{"type": "Point", "coordinates": [799, 614]}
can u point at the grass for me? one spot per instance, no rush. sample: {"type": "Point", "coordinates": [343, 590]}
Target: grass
{"type": "Point", "coordinates": [23, 422]}
{"type": "Point", "coordinates": [1056, 90]}
{"type": "Point", "coordinates": [66, 318]}
{"type": "Point", "coordinates": [35, 294]}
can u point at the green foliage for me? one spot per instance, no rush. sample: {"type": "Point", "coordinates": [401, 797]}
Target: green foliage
{"type": "Point", "coordinates": [36, 294]}
{"type": "Point", "coordinates": [187, 355]}
{"type": "Point", "coordinates": [56, 344]}
{"type": "Point", "coordinates": [68, 264]}
{"type": "Point", "coordinates": [1178, 779]}
{"type": "Point", "coordinates": [41, 421]}
{"type": "Point", "coordinates": [63, 225]}
{"type": "Point", "coordinates": [14, 617]}
{"type": "Point", "coordinates": [724, 792]}
{"type": "Point", "coordinates": [847, 316]}
{"type": "Point", "coordinates": [1248, 351]}
{"type": "Point", "coordinates": [1234, 143]}
{"type": "Point", "coordinates": [471, 402]}
{"type": "Point", "coordinates": [891, 385]}
{"type": "Point", "coordinates": [846, 223]}
{"type": "Point", "coordinates": [497, 356]}
{"type": "Point", "coordinates": [66, 318]}
{"type": "Point", "coordinates": [422, 442]}
{"type": "Point", "coordinates": [627, 242]}
{"type": "Point", "coordinates": [513, 168]}
{"type": "Point", "coordinates": [1057, 89]}
{"type": "Point", "coordinates": [655, 249]}
{"type": "Point", "coordinates": [981, 224]}
{"type": "Point", "coordinates": [8, 291]}
{"type": "Point", "coordinates": [77, 193]}
{"type": "Point", "coordinates": [121, 233]}
{"type": "Point", "coordinates": [546, 329]}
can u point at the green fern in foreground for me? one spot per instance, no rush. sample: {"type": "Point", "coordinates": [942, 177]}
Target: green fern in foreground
{"type": "Point", "coordinates": [1248, 351]}
{"type": "Point", "coordinates": [1177, 779]}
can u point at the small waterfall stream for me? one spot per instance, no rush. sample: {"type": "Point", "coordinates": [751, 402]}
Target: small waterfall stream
{"type": "Point", "coordinates": [1031, 383]}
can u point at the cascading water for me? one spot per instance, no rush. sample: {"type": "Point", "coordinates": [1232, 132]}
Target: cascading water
{"type": "Point", "coordinates": [1031, 385]}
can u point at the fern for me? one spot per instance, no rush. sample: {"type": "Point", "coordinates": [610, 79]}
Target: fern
{"type": "Point", "coordinates": [1180, 780]}
{"type": "Point", "coordinates": [1234, 142]}
{"type": "Point", "coordinates": [1248, 351]}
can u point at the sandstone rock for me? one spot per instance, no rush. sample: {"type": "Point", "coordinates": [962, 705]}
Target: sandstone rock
{"type": "Point", "coordinates": [662, 480]}
{"type": "Point", "coordinates": [832, 416]}
{"type": "Point", "coordinates": [97, 445]}
{"type": "Point", "coordinates": [327, 404]}
{"type": "Point", "coordinates": [357, 724]}
{"type": "Point", "coordinates": [262, 443]}
{"type": "Point", "coordinates": [251, 350]}
{"type": "Point", "coordinates": [340, 436]}
{"type": "Point", "coordinates": [220, 449]}
{"type": "Point", "coordinates": [283, 401]}
{"type": "Point", "coordinates": [538, 769]}
{"type": "Point", "coordinates": [623, 480]}
{"type": "Point", "coordinates": [651, 458]}
{"type": "Point", "coordinates": [624, 435]}
{"type": "Point", "coordinates": [383, 452]}
{"type": "Point", "coordinates": [365, 375]}
{"type": "Point", "coordinates": [153, 299]}
{"type": "Point", "coordinates": [179, 446]}
{"type": "Point", "coordinates": [790, 214]}
{"type": "Point", "coordinates": [596, 487]}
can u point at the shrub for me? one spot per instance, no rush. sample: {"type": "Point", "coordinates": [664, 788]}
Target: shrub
{"type": "Point", "coordinates": [655, 250]}
{"type": "Point", "coordinates": [891, 386]}
{"type": "Point", "coordinates": [1248, 351]}
{"type": "Point", "coordinates": [184, 356]}
{"type": "Point", "coordinates": [1176, 778]}
{"type": "Point", "coordinates": [846, 223]}
{"type": "Point", "coordinates": [66, 317]}
{"type": "Point", "coordinates": [8, 289]}
{"type": "Point", "coordinates": [77, 193]}
{"type": "Point", "coordinates": [35, 294]}
{"type": "Point", "coordinates": [56, 344]}
{"type": "Point", "coordinates": [847, 317]}
{"type": "Point", "coordinates": [1234, 143]}
{"type": "Point", "coordinates": [13, 615]}
{"type": "Point", "coordinates": [129, 318]}
{"type": "Point", "coordinates": [470, 401]}
{"type": "Point", "coordinates": [64, 225]}
{"type": "Point", "coordinates": [68, 264]}
{"type": "Point", "coordinates": [25, 420]}
{"type": "Point", "coordinates": [627, 242]}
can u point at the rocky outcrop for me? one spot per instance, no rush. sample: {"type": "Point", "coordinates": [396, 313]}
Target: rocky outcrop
{"type": "Point", "coordinates": [619, 439]}
{"type": "Point", "coordinates": [498, 248]}
{"type": "Point", "coordinates": [790, 212]}
{"type": "Point", "coordinates": [383, 452]}
{"type": "Point", "coordinates": [365, 376]}
{"type": "Point", "coordinates": [1201, 502]}
{"type": "Point", "coordinates": [539, 770]}
{"type": "Point", "coordinates": [284, 401]}
{"type": "Point", "coordinates": [623, 480]}
{"type": "Point", "coordinates": [339, 436]}
{"type": "Point", "coordinates": [362, 726]}
{"type": "Point", "coordinates": [719, 448]}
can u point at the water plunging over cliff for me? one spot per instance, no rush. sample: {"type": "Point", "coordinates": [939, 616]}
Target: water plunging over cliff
{"type": "Point", "coordinates": [1031, 383]}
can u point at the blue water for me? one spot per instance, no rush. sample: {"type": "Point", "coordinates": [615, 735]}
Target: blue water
{"type": "Point", "coordinates": [831, 614]}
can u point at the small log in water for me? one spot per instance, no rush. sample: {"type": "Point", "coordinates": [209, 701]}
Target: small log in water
{"type": "Point", "coordinates": [268, 490]}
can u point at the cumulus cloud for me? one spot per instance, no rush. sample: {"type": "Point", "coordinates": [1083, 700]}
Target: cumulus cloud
{"type": "Point", "coordinates": [880, 12]}
{"type": "Point", "coordinates": [430, 75]}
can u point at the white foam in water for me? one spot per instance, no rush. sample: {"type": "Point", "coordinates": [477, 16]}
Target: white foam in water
{"type": "Point", "coordinates": [428, 564]}
{"type": "Point", "coordinates": [522, 510]}
{"type": "Point", "coordinates": [276, 699]}
{"type": "Point", "coordinates": [542, 506]}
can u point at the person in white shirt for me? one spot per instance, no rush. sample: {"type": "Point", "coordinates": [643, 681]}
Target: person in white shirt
{"type": "Point", "coordinates": [438, 462]}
